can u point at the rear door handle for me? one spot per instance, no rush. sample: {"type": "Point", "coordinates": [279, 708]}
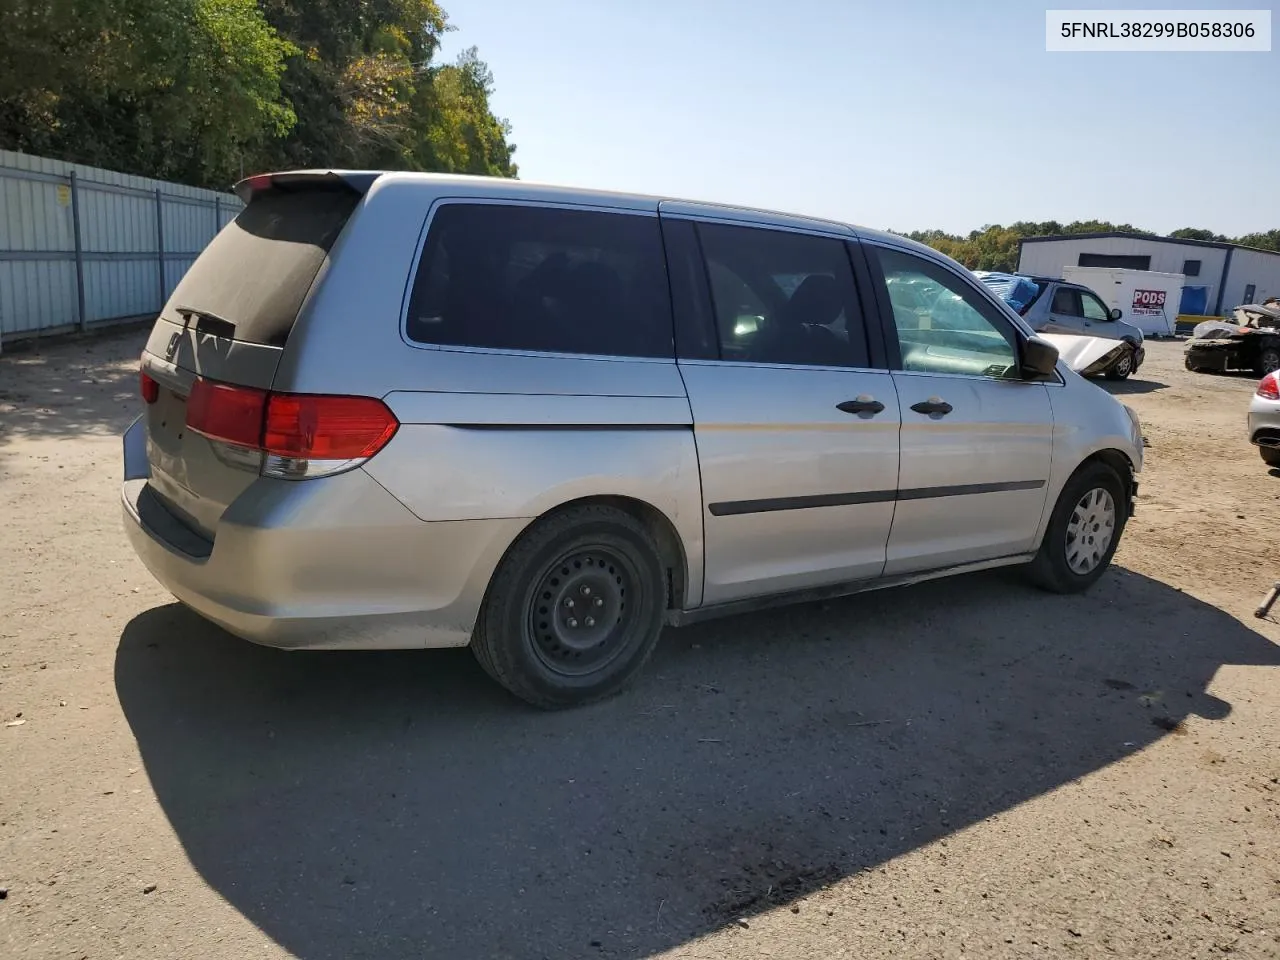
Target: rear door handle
{"type": "Point", "coordinates": [863, 404]}
{"type": "Point", "coordinates": [934, 407]}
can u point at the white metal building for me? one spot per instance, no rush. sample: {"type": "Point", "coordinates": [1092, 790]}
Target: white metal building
{"type": "Point", "coordinates": [1229, 274]}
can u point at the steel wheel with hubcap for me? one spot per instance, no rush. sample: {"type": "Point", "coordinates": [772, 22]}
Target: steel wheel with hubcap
{"type": "Point", "coordinates": [1090, 530]}
{"type": "Point", "coordinates": [574, 608]}
{"type": "Point", "coordinates": [1083, 531]}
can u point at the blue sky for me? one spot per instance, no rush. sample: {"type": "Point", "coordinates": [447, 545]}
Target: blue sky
{"type": "Point", "coordinates": [906, 115]}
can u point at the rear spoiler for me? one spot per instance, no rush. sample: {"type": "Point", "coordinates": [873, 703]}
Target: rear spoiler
{"type": "Point", "coordinates": [356, 181]}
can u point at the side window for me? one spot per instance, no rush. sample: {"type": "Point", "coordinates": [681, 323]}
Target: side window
{"type": "Point", "coordinates": [1066, 302]}
{"type": "Point", "coordinates": [1093, 308]}
{"type": "Point", "coordinates": [955, 330]}
{"type": "Point", "coordinates": [783, 297]}
{"type": "Point", "coordinates": [508, 277]}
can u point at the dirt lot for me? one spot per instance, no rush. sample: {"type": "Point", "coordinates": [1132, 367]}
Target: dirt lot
{"type": "Point", "coordinates": [961, 768]}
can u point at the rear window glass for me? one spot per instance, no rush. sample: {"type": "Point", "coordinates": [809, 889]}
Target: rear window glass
{"type": "Point", "coordinates": [507, 277]}
{"type": "Point", "coordinates": [258, 269]}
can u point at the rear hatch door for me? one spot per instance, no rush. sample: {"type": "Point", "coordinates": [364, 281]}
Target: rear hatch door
{"type": "Point", "coordinates": [228, 321]}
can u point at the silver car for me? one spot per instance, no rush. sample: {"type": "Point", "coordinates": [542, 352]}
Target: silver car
{"type": "Point", "coordinates": [1062, 307]}
{"type": "Point", "coordinates": [1264, 420]}
{"type": "Point", "coordinates": [407, 410]}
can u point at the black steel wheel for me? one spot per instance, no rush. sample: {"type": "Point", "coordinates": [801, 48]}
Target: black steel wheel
{"type": "Point", "coordinates": [577, 610]}
{"type": "Point", "coordinates": [574, 609]}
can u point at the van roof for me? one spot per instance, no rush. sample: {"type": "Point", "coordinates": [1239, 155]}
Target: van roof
{"type": "Point", "coordinates": [362, 181]}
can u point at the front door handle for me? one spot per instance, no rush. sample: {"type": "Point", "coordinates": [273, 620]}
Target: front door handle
{"type": "Point", "coordinates": [863, 404]}
{"type": "Point", "coordinates": [934, 407]}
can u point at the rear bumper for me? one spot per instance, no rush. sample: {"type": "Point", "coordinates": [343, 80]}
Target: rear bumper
{"type": "Point", "coordinates": [1264, 422]}
{"type": "Point", "coordinates": [334, 563]}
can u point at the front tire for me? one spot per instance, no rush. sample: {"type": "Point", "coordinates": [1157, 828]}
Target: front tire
{"type": "Point", "coordinates": [1270, 456]}
{"type": "Point", "coordinates": [574, 609]}
{"type": "Point", "coordinates": [1083, 531]}
{"type": "Point", "coordinates": [1123, 366]}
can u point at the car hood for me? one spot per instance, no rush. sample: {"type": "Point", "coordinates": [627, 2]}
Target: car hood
{"type": "Point", "coordinates": [1081, 353]}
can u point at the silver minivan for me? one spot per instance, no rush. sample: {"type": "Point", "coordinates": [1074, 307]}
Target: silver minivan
{"type": "Point", "coordinates": [407, 410]}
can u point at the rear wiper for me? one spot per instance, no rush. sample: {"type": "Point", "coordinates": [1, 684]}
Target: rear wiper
{"type": "Point", "coordinates": [207, 322]}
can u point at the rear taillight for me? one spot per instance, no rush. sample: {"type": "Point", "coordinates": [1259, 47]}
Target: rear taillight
{"type": "Point", "coordinates": [149, 389]}
{"type": "Point", "coordinates": [227, 413]}
{"type": "Point", "coordinates": [311, 427]}
{"type": "Point", "coordinates": [1269, 388]}
{"type": "Point", "coordinates": [301, 435]}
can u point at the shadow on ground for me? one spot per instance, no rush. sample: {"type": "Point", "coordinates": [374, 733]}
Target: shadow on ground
{"type": "Point", "coordinates": [373, 805]}
{"type": "Point", "coordinates": [70, 388]}
{"type": "Point", "coordinates": [1121, 388]}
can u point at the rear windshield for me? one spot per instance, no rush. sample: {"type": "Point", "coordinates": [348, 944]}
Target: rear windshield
{"type": "Point", "coordinates": [255, 274]}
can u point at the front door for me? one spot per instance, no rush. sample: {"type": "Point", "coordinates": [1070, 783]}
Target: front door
{"type": "Point", "coordinates": [797, 436]}
{"type": "Point", "coordinates": [976, 441]}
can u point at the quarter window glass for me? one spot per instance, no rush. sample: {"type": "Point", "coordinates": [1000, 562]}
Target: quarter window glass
{"type": "Point", "coordinates": [1093, 308]}
{"type": "Point", "coordinates": [953, 330]}
{"type": "Point", "coordinates": [783, 297]}
{"type": "Point", "coordinates": [509, 277]}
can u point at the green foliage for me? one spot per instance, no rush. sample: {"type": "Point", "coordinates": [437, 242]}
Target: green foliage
{"type": "Point", "coordinates": [206, 91]}
{"type": "Point", "coordinates": [996, 247]}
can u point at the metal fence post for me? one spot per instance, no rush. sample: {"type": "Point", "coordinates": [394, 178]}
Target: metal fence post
{"type": "Point", "coordinates": [75, 229]}
{"type": "Point", "coordinates": [217, 214]}
{"type": "Point", "coordinates": [160, 246]}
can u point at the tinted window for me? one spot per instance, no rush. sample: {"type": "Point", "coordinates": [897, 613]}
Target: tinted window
{"type": "Point", "coordinates": [1191, 268]}
{"type": "Point", "coordinates": [536, 278]}
{"type": "Point", "coordinates": [783, 297]}
{"type": "Point", "coordinates": [1066, 302]}
{"type": "Point", "coordinates": [258, 269]}
{"type": "Point", "coordinates": [1093, 308]}
{"type": "Point", "coordinates": [957, 332]}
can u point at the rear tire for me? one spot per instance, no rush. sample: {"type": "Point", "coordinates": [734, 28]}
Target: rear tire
{"type": "Point", "coordinates": [1083, 531]}
{"type": "Point", "coordinates": [574, 609]}
{"type": "Point", "coordinates": [1268, 362]}
{"type": "Point", "coordinates": [1270, 456]}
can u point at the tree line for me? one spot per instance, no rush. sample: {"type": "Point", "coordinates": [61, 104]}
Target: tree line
{"type": "Point", "coordinates": [996, 247]}
{"type": "Point", "coordinates": [204, 92]}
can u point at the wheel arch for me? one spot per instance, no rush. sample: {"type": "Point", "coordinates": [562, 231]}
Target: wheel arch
{"type": "Point", "coordinates": [1118, 461]}
{"type": "Point", "coordinates": [672, 551]}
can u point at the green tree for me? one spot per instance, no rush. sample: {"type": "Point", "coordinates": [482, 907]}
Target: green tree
{"type": "Point", "coordinates": [203, 91]}
{"type": "Point", "coordinates": [1195, 233]}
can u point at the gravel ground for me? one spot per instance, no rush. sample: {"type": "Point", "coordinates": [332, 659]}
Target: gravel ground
{"type": "Point", "coordinates": [959, 768]}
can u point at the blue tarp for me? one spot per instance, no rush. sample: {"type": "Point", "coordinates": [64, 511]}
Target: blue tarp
{"type": "Point", "coordinates": [1012, 289]}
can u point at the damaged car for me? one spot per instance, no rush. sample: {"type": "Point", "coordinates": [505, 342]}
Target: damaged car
{"type": "Point", "coordinates": [1060, 307]}
{"type": "Point", "coordinates": [1249, 342]}
{"type": "Point", "coordinates": [1093, 356]}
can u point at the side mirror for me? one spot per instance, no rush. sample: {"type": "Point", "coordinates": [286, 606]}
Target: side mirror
{"type": "Point", "coordinates": [1039, 359]}
{"type": "Point", "coordinates": [1117, 313]}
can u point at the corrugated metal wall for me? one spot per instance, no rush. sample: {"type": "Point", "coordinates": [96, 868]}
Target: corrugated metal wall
{"type": "Point", "coordinates": [81, 246]}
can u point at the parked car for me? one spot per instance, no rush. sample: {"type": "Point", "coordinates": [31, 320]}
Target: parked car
{"type": "Point", "coordinates": [1264, 419]}
{"type": "Point", "coordinates": [1251, 341]}
{"type": "Point", "coordinates": [412, 410]}
{"type": "Point", "coordinates": [1056, 306]}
